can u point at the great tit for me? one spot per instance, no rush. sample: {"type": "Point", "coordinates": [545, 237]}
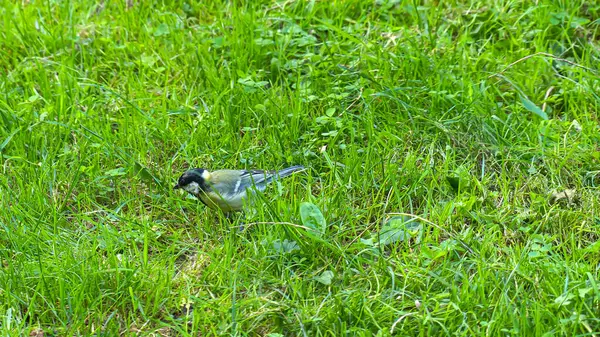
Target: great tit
{"type": "Point", "coordinates": [227, 190]}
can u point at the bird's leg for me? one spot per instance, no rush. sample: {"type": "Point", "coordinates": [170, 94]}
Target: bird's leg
{"type": "Point", "coordinates": [240, 219]}
{"type": "Point", "coordinates": [231, 218]}
{"type": "Point", "coordinates": [243, 216]}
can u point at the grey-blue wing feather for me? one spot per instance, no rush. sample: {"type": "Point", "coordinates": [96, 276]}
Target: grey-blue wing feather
{"type": "Point", "coordinates": [261, 179]}
{"type": "Point", "coordinates": [257, 178]}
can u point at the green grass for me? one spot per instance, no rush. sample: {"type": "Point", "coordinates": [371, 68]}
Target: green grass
{"type": "Point", "coordinates": [468, 117]}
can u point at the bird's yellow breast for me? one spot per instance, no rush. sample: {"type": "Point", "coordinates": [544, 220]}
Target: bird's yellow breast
{"type": "Point", "coordinates": [216, 201]}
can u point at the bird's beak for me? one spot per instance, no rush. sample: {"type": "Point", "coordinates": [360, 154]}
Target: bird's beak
{"type": "Point", "coordinates": [176, 187]}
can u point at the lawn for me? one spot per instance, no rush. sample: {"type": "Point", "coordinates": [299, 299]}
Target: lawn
{"type": "Point", "coordinates": [452, 152]}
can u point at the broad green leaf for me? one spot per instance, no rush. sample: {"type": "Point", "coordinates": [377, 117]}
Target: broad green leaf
{"type": "Point", "coordinates": [218, 42]}
{"type": "Point", "coordinates": [583, 292]}
{"type": "Point", "coordinates": [240, 74]}
{"type": "Point", "coordinates": [368, 242]}
{"type": "Point", "coordinates": [285, 246]}
{"type": "Point", "coordinates": [557, 18]}
{"type": "Point", "coordinates": [323, 119]}
{"type": "Point", "coordinates": [454, 182]}
{"type": "Point", "coordinates": [564, 299]}
{"type": "Point", "coordinates": [313, 218]}
{"type": "Point", "coordinates": [593, 248]}
{"type": "Point", "coordinates": [577, 22]}
{"type": "Point", "coordinates": [148, 60]}
{"type": "Point", "coordinates": [534, 254]}
{"type": "Point", "coordinates": [398, 229]}
{"type": "Point", "coordinates": [529, 105]}
{"type": "Point", "coordinates": [459, 179]}
{"type": "Point", "coordinates": [161, 30]}
{"type": "Point", "coordinates": [116, 172]}
{"type": "Point", "coordinates": [325, 277]}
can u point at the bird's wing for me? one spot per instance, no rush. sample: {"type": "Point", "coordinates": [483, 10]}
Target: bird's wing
{"type": "Point", "coordinates": [261, 179]}
{"type": "Point", "coordinates": [258, 178]}
{"type": "Point", "coordinates": [231, 183]}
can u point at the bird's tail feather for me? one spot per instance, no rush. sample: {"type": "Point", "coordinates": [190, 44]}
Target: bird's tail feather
{"type": "Point", "coordinates": [284, 173]}
{"type": "Point", "coordinates": [287, 171]}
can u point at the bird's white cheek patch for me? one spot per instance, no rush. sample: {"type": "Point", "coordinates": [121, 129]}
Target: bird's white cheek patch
{"type": "Point", "coordinates": [192, 187]}
{"type": "Point", "coordinates": [206, 175]}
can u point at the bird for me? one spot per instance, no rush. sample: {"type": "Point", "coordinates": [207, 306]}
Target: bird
{"type": "Point", "coordinates": [227, 190]}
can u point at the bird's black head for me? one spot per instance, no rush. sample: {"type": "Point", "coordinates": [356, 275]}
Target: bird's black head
{"type": "Point", "coordinates": [193, 180]}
